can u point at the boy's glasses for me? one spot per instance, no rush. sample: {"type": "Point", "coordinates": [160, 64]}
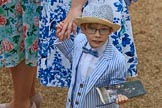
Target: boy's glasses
{"type": "Point", "coordinates": [102, 31]}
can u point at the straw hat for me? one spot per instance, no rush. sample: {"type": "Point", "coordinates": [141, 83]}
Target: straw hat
{"type": "Point", "coordinates": [97, 13]}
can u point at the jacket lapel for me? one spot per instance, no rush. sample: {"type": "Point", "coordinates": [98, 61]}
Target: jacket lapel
{"type": "Point", "coordinates": [101, 67]}
{"type": "Point", "coordinates": [79, 53]}
{"type": "Point", "coordinates": [76, 59]}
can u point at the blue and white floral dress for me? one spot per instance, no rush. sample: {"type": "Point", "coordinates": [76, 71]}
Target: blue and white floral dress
{"type": "Point", "coordinates": [53, 68]}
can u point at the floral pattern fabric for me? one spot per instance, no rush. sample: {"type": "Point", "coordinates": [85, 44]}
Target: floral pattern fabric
{"type": "Point", "coordinates": [19, 25]}
{"type": "Point", "coordinates": [53, 68]}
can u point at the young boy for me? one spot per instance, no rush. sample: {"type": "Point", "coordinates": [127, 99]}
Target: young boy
{"type": "Point", "coordinates": [95, 61]}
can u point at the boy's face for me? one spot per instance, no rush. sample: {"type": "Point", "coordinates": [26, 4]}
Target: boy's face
{"type": "Point", "coordinates": [97, 34]}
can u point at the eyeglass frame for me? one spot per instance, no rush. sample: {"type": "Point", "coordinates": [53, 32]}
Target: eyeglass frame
{"type": "Point", "coordinates": [100, 30]}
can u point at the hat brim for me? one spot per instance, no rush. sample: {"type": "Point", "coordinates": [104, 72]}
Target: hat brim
{"type": "Point", "coordinates": [81, 20]}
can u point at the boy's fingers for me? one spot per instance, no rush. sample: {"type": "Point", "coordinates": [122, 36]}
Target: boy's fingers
{"type": "Point", "coordinates": [62, 23]}
{"type": "Point", "coordinates": [58, 36]}
{"type": "Point", "coordinates": [59, 25]}
{"type": "Point", "coordinates": [58, 33]}
{"type": "Point", "coordinates": [121, 99]}
{"type": "Point", "coordinates": [65, 30]}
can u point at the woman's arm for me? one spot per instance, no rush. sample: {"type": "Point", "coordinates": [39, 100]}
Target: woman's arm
{"type": "Point", "coordinates": [67, 26]}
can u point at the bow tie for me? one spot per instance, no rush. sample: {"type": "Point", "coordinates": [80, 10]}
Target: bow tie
{"type": "Point", "coordinates": [90, 51]}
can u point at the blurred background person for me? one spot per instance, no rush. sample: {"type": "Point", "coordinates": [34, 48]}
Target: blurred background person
{"type": "Point", "coordinates": [19, 24]}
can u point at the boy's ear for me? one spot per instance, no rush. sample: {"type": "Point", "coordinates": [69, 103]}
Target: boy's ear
{"type": "Point", "coordinates": [82, 26]}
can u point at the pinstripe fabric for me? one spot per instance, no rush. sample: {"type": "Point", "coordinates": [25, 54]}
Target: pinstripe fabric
{"type": "Point", "coordinates": [110, 69]}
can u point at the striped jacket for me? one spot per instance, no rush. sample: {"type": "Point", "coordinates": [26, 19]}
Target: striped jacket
{"type": "Point", "coordinates": [111, 69]}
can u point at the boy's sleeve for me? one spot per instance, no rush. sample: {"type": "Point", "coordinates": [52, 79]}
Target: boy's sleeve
{"type": "Point", "coordinates": [66, 47]}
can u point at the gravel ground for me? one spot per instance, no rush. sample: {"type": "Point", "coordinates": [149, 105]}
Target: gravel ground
{"type": "Point", "coordinates": [146, 18]}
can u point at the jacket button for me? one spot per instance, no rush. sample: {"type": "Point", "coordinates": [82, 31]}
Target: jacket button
{"type": "Point", "coordinates": [79, 94]}
{"type": "Point", "coordinates": [76, 102]}
{"type": "Point", "coordinates": [81, 85]}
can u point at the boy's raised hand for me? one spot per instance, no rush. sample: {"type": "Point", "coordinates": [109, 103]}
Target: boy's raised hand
{"type": "Point", "coordinates": [63, 30]}
{"type": "Point", "coordinates": [59, 27]}
{"type": "Point", "coordinates": [66, 27]}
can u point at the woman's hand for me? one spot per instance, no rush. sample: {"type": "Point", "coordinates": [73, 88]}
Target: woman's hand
{"type": "Point", "coordinates": [67, 26]}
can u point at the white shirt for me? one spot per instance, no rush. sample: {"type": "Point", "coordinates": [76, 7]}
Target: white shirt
{"type": "Point", "coordinates": [88, 62]}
